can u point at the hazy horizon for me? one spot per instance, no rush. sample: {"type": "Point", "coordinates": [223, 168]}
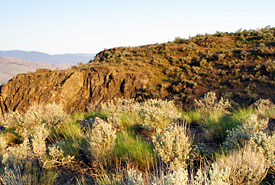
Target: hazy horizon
{"type": "Point", "coordinates": [83, 26]}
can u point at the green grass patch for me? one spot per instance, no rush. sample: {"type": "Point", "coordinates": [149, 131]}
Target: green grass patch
{"type": "Point", "coordinates": [218, 129]}
{"type": "Point", "coordinates": [192, 117]}
{"type": "Point", "coordinates": [70, 138]}
{"type": "Point", "coordinates": [100, 114]}
{"type": "Point", "coordinates": [132, 149]}
{"type": "Point", "coordinates": [76, 116]}
{"type": "Point", "coordinates": [128, 120]}
{"type": "Point", "coordinates": [242, 114]}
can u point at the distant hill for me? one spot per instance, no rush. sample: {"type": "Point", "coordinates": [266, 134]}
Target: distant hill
{"type": "Point", "coordinates": [13, 62]}
{"type": "Point", "coordinates": [10, 67]}
{"type": "Point", "coordinates": [44, 57]}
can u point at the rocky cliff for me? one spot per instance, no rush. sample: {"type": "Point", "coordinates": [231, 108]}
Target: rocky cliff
{"type": "Point", "coordinates": [73, 89]}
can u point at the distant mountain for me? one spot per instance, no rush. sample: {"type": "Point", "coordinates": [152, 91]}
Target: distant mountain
{"type": "Point", "coordinates": [44, 57]}
{"type": "Point", "coordinates": [10, 67]}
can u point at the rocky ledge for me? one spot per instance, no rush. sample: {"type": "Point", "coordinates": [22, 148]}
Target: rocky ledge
{"type": "Point", "coordinates": [73, 89]}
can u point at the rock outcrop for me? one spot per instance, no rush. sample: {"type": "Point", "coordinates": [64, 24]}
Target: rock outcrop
{"type": "Point", "coordinates": [73, 89]}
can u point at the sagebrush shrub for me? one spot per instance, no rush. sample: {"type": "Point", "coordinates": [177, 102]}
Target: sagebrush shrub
{"type": "Point", "coordinates": [14, 120]}
{"type": "Point", "coordinates": [38, 141]}
{"type": "Point", "coordinates": [57, 157]}
{"type": "Point", "coordinates": [158, 113]}
{"type": "Point", "coordinates": [173, 145]}
{"type": "Point", "coordinates": [116, 107]}
{"type": "Point", "coordinates": [101, 139]}
{"type": "Point", "coordinates": [3, 145]}
{"type": "Point", "coordinates": [134, 177]}
{"type": "Point", "coordinates": [265, 108]}
{"type": "Point", "coordinates": [267, 144]}
{"type": "Point", "coordinates": [153, 112]}
{"type": "Point", "coordinates": [211, 108]}
{"type": "Point", "coordinates": [24, 124]}
{"type": "Point", "coordinates": [212, 176]}
{"type": "Point", "coordinates": [240, 135]}
{"type": "Point", "coordinates": [18, 152]}
{"type": "Point", "coordinates": [27, 162]}
{"type": "Point", "coordinates": [247, 165]}
{"type": "Point", "coordinates": [176, 177]}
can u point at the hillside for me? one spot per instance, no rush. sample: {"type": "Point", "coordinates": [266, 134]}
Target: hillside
{"type": "Point", "coordinates": [10, 67]}
{"type": "Point", "coordinates": [239, 66]}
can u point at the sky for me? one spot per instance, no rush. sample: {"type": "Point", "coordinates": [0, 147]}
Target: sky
{"type": "Point", "coordinates": [89, 26]}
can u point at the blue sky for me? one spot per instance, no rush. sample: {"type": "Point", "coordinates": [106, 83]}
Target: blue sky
{"type": "Point", "coordinates": [89, 26]}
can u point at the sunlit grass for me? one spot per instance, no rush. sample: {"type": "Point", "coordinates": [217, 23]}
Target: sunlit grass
{"type": "Point", "coordinates": [132, 149]}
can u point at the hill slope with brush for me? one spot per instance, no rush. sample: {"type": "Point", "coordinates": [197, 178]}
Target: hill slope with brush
{"type": "Point", "coordinates": [239, 66]}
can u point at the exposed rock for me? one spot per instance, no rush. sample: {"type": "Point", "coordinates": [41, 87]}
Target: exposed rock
{"type": "Point", "coordinates": [90, 123]}
{"type": "Point", "coordinates": [271, 126]}
{"type": "Point", "coordinates": [73, 89]}
{"type": "Point", "coordinates": [2, 128]}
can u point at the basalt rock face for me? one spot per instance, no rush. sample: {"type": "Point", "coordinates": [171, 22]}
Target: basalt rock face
{"type": "Point", "coordinates": [73, 89]}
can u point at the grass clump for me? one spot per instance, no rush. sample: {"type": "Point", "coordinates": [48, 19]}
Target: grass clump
{"type": "Point", "coordinates": [131, 148]}
{"type": "Point", "coordinates": [242, 114]}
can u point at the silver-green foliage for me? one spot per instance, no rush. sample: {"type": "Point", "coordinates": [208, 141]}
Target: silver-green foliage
{"type": "Point", "coordinates": [241, 135]}
{"type": "Point", "coordinates": [173, 145]}
{"type": "Point", "coordinates": [101, 138]}
{"type": "Point", "coordinates": [153, 112]}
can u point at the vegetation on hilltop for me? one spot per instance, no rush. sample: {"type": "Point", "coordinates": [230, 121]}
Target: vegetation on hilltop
{"type": "Point", "coordinates": [239, 66]}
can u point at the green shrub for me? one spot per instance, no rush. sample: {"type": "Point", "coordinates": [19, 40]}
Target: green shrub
{"type": "Point", "coordinates": [192, 117]}
{"type": "Point", "coordinates": [219, 130]}
{"type": "Point", "coordinates": [101, 114]}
